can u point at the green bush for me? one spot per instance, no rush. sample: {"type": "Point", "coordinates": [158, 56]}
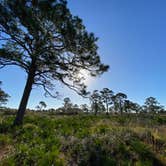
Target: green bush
{"type": "Point", "coordinates": [82, 140]}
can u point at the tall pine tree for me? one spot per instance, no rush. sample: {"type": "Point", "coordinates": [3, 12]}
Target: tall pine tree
{"type": "Point", "coordinates": [49, 43]}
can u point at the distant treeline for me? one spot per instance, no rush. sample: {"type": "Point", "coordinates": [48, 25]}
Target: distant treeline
{"type": "Point", "coordinates": [104, 102]}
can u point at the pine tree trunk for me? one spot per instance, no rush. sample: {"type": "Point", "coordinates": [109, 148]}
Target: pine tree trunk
{"type": "Point", "coordinates": [24, 101]}
{"type": "Point", "coordinates": [96, 108]}
{"type": "Point", "coordinates": [120, 108]}
{"type": "Point", "coordinates": [106, 109]}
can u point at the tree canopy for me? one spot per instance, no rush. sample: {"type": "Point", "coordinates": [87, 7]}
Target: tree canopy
{"type": "Point", "coordinates": [3, 96]}
{"type": "Point", "coordinates": [49, 43]}
{"type": "Point", "coordinates": [106, 97]}
{"type": "Point", "coordinates": [152, 105]}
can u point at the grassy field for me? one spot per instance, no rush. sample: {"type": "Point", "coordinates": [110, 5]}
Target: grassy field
{"type": "Point", "coordinates": [83, 140]}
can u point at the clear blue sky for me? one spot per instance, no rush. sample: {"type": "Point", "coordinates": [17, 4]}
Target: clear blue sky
{"type": "Point", "coordinates": [132, 40]}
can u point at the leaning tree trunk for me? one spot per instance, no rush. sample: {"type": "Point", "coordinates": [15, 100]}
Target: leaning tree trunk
{"type": "Point", "coordinates": [120, 106]}
{"type": "Point", "coordinates": [24, 101]}
{"type": "Point", "coordinates": [96, 108]}
{"type": "Point", "coordinates": [106, 109]}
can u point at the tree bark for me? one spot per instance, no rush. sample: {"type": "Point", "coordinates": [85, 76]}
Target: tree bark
{"type": "Point", "coordinates": [24, 101]}
{"type": "Point", "coordinates": [120, 106]}
{"type": "Point", "coordinates": [106, 109]}
{"type": "Point", "coordinates": [96, 108]}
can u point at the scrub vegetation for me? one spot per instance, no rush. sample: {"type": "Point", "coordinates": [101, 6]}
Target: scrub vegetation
{"type": "Point", "coordinates": [47, 138]}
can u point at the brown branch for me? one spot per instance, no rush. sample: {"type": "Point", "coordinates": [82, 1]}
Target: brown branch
{"type": "Point", "coordinates": [47, 91]}
{"type": "Point", "coordinates": [14, 38]}
{"type": "Point", "coordinates": [9, 63]}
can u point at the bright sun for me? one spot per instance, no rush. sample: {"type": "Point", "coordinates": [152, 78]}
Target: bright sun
{"type": "Point", "coordinates": [85, 74]}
